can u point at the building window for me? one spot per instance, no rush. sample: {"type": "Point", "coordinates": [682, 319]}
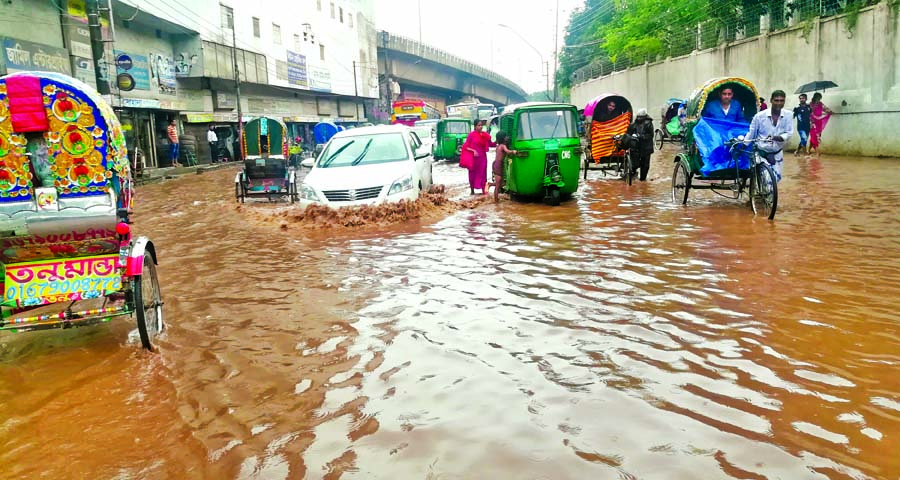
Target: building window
{"type": "Point", "coordinates": [276, 34]}
{"type": "Point", "coordinates": [332, 10]}
{"type": "Point", "coordinates": [227, 16]}
{"type": "Point", "coordinates": [297, 42]}
{"type": "Point", "coordinates": [341, 14]}
{"type": "Point", "coordinates": [255, 27]}
{"type": "Point", "coordinates": [319, 5]}
{"type": "Point", "coordinates": [321, 52]}
{"type": "Point", "coordinates": [350, 19]}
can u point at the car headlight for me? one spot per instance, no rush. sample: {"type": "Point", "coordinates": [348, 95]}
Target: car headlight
{"type": "Point", "coordinates": [401, 185]}
{"type": "Point", "coordinates": [307, 193]}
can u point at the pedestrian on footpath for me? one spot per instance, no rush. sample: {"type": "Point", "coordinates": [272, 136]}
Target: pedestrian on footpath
{"type": "Point", "coordinates": [641, 151]}
{"type": "Point", "coordinates": [173, 143]}
{"type": "Point", "coordinates": [774, 127]}
{"type": "Point", "coordinates": [802, 113]}
{"type": "Point", "coordinates": [213, 141]}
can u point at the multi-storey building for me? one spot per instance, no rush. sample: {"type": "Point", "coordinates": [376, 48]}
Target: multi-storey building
{"type": "Point", "coordinates": [304, 61]}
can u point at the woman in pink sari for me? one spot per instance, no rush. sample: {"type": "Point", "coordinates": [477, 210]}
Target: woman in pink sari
{"type": "Point", "coordinates": [478, 142]}
{"type": "Point", "coordinates": [818, 120]}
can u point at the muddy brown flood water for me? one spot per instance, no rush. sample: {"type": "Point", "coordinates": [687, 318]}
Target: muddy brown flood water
{"type": "Point", "coordinates": [615, 336]}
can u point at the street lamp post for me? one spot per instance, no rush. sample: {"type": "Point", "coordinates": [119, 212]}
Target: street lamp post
{"type": "Point", "coordinates": [543, 62]}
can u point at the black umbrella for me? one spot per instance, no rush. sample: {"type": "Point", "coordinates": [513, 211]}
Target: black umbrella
{"type": "Point", "coordinates": [818, 85]}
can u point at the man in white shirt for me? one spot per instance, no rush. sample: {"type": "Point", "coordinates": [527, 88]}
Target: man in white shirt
{"type": "Point", "coordinates": [776, 125]}
{"type": "Point", "coordinates": [213, 140]}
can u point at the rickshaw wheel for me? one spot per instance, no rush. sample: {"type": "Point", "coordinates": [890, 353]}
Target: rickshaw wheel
{"type": "Point", "coordinates": [147, 302]}
{"type": "Point", "coordinates": [764, 191]}
{"type": "Point", "coordinates": [659, 137]}
{"type": "Point", "coordinates": [629, 173]}
{"type": "Point", "coordinates": [681, 183]}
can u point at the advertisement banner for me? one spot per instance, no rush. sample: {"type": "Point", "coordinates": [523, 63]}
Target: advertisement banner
{"type": "Point", "coordinates": [296, 73]}
{"type": "Point", "coordinates": [132, 71]}
{"type": "Point", "coordinates": [162, 72]}
{"type": "Point", "coordinates": [83, 69]}
{"type": "Point", "coordinates": [19, 55]}
{"type": "Point", "coordinates": [319, 79]}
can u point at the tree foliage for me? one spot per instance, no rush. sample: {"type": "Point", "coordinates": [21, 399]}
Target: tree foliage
{"type": "Point", "coordinates": [614, 34]}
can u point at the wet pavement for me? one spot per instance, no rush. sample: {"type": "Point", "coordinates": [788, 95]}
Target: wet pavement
{"type": "Point", "coordinates": [615, 336]}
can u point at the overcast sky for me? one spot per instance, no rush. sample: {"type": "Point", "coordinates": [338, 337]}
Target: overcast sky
{"type": "Point", "coordinates": [467, 28]}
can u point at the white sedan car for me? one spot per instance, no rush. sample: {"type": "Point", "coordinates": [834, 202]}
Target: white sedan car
{"type": "Point", "coordinates": [368, 165]}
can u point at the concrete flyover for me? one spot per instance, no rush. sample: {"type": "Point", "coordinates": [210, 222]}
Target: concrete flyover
{"type": "Point", "coordinates": [424, 69]}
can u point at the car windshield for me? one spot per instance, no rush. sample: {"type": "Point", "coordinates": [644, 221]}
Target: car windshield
{"type": "Point", "coordinates": [364, 150]}
{"type": "Point", "coordinates": [546, 124]}
{"type": "Point", "coordinates": [457, 127]}
{"type": "Point", "coordinates": [423, 132]}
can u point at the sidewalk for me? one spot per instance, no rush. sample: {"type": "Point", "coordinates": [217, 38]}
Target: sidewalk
{"type": "Point", "coordinates": [157, 175]}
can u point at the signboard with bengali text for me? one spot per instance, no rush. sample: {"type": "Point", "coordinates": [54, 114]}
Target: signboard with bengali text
{"type": "Point", "coordinates": [19, 55]}
{"type": "Point", "coordinates": [51, 281]}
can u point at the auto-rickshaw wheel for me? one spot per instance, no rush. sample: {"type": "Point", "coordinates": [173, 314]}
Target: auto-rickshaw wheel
{"type": "Point", "coordinates": [659, 136]}
{"type": "Point", "coordinates": [681, 183]}
{"type": "Point", "coordinates": [553, 196]}
{"type": "Point", "coordinates": [147, 302]}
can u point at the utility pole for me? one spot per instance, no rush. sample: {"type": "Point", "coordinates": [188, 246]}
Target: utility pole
{"type": "Point", "coordinates": [555, 56]}
{"type": "Point", "coordinates": [92, 7]}
{"type": "Point", "coordinates": [420, 21]}
{"type": "Point", "coordinates": [355, 88]}
{"type": "Point", "coordinates": [237, 80]}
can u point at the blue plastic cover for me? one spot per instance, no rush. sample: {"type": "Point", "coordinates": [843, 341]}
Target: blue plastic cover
{"type": "Point", "coordinates": [323, 132]}
{"type": "Point", "coordinates": [710, 136]}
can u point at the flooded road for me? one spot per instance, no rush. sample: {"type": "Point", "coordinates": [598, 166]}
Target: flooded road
{"type": "Point", "coordinates": [615, 336]}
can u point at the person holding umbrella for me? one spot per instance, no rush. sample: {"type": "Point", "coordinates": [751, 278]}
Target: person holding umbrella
{"type": "Point", "coordinates": [820, 113]}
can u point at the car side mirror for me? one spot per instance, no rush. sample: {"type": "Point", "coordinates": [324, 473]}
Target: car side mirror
{"type": "Point", "coordinates": [308, 163]}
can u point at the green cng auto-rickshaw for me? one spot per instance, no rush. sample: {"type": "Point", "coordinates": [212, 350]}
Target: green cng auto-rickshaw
{"type": "Point", "coordinates": [548, 150]}
{"type": "Point", "coordinates": [450, 134]}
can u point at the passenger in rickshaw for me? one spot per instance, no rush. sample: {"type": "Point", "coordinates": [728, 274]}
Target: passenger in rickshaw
{"type": "Point", "coordinates": [774, 126]}
{"type": "Point", "coordinates": [641, 151]}
{"type": "Point", "coordinates": [726, 108]}
{"type": "Point", "coordinates": [611, 111]}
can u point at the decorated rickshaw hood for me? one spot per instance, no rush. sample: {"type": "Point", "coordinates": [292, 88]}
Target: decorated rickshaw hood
{"type": "Point", "coordinates": [745, 92]}
{"type": "Point", "coordinates": [254, 129]}
{"type": "Point", "coordinates": [85, 147]}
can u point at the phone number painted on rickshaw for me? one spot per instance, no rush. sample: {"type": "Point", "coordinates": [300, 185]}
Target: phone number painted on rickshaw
{"type": "Point", "coordinates": [44, 282]}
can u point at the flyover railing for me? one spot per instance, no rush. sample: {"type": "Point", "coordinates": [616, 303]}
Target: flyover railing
{"type": "Point", "coordinates": [409, 46]}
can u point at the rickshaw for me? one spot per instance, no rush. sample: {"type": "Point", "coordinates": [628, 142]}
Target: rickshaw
{"type": "Point", "coordinates": [68, 255]}
{"type": "Point", "coordinates": [716, 154]}
{"type": "Point", "coordinates": [450, 135]}
{"type": "Point", "coordinates": [671, 127]}
{"type": "Point", "coordinates": [548, 150]}
{"type": "Point", "coordinates": [264, 145]}
{"type": "Point", "coordinates": [607, 117]}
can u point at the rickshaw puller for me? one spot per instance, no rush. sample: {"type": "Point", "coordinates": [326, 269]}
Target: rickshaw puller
{"type": "Point", "coordinates": [643, 128]}
{"type": "Point", "coordinates": [776, 125]}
